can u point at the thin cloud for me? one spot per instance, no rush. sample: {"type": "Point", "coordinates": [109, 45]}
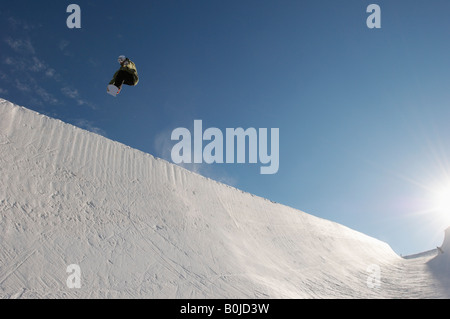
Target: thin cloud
{"type": "Point", "coordinates": [8, 61]}
{"type": "Point", "coordinates": [33, 64]}
{"type": "Point", "coordinates": [89, 126]}
{"type": "Point", "coordinates": [70, 92]}
{"type": "Point", "coordinates": [51, 73]}
{"type": "Point", "coordinates": [15, 63]}
{"type": "Point", "coordinates": [21, 46]}
{"type": "Point", "coordinates": [21, 86]}
{"type": "Point", "coordinates": [29, 71]}
{"type": "Point", "coordinates": [37, 65]}
{"type": "Point", "coordinates": [46, 96]}
{"type": "Point", "coordinates": [18, 24]}
{"type": "Point", "coordinates": [63, 44]}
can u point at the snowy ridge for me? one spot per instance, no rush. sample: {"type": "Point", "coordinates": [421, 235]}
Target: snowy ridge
{"type": "Point", "coordinates": [440, 264]}
{"type": "Point", "coordinates": [140, 227]}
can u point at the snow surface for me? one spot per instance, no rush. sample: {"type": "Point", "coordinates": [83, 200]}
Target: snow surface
{"type": "Point", "coordinates": [141, 227]}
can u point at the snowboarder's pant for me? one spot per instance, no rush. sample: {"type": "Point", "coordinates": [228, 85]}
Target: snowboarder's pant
{"type": "Point", "coordinates": [123, 77]}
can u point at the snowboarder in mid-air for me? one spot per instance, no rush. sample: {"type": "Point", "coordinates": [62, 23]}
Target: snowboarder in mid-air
{"type": "Point", "coordinates": [127, 74]}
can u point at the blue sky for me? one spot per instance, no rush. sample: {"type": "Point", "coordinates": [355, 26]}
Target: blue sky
{"type": "Point", "coordinates": [363, 113]}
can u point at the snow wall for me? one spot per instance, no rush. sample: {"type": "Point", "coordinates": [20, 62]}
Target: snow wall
{"type": "Point", "coordinates": [79, 209]}
{"type": "Point", "coordinates": [440, 264]}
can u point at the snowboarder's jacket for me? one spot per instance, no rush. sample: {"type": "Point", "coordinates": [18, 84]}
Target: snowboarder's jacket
{"type": "Point", "coordinates": [129, 67]}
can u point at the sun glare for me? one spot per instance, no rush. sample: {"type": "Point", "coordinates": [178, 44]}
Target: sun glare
{"type": "Point", "coordinates": [441, 200]}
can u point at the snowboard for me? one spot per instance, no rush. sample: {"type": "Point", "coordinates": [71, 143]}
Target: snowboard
{"type": "Point", "coordinates": [112, 90]}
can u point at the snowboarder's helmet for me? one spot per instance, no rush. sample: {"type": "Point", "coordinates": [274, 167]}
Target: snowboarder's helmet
{"type": "Point", "coordinates": [121, 58]}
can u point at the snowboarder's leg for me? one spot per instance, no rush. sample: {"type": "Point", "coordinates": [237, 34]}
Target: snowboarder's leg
{"type": "Point", "coordinates": [119, 79]}
{"type": "Point", "coordinates": [123, 77]}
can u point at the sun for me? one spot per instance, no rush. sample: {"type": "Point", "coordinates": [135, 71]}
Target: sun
{"type": "Point", "coordinates": [440, 199]}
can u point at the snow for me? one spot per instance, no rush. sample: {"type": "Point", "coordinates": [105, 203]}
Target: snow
{"type": "Point", "coordinates": [141, 227]}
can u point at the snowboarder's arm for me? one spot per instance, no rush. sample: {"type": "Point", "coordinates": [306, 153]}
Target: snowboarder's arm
{"type": "Point", "coordinates": [128, 69]}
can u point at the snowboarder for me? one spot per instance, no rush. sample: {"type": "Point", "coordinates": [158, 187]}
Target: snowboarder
{"type": "Point", "coordinates": [127, 74]}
